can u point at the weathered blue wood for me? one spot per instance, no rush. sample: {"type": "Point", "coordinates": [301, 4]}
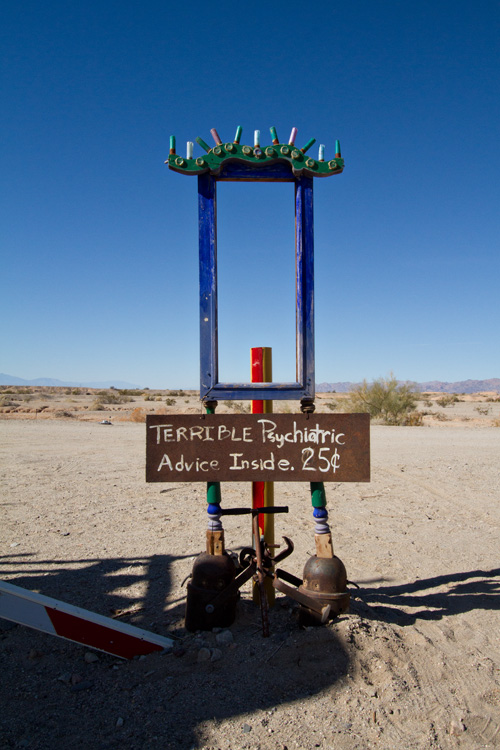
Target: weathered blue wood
{"type": "Point", "coordinates": [209, 346]}
{"type": "Point", "coordinates": [210, 388]}
{"type": "Point", "coordinates": [304, 238]}
{"type": "Point", "coordinates": [247, 391]}
{"type": "Point", "coordinates": [278, 172]}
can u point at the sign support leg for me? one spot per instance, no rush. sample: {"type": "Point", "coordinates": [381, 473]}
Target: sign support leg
{"type": "Point", "coordinates": [263, 492]}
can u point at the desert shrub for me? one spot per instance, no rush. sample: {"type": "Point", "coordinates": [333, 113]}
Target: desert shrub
{"type": "Point", "coordinates": [491, 400]}
{"type": "Point", "coordinates": [112, 398]}
{"type": "Point", "coordinates": [426, 401]}
{"type": "Point", "coordinates": [138, 415]}
{"type": "Point", "coordinates": [484, 410]}
{"type": "Point", "coordinates": [241, 408]}
{"type": "Point", "coordinates": [447, 400]}
{"type": "Point", "coordinates": [170, 401]}
{"type": "Point", "coordinates": [441, 417]}
{"type": "Point", "coordinates": [332, 405]}
{"type": "Point", "coordinates": [384, 399]}
{"type": "Point", "coordinates": [62, 413]}
{"type": "Point", "coordinates": [173, 393]}
{"type": "Point", "coordinates": [496, 422]}
{"type": "Point", "coordinates": [414, 419]}
{"type": "Point", "coordinates": [7, 401]}
{"type": "Point", "coordinates": [130, 392]}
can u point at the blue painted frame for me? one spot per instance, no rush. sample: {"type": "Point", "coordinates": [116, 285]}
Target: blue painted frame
{"type": "Point", "coordinates": [304, 387]}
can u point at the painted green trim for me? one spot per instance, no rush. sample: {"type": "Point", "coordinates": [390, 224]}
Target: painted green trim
{"type": "Point", "coordinates": [214, 496]}
{"type": "Point", "coordinates": [318, 495]}
{"type": "Point", "coordinates": [262, 156]}
{"type": "Point", "coordinates": [213, 493]}
{"type": "Point", "coordinates": [202, 143]}
{"type": "Point", "coordinates": [308, 145]}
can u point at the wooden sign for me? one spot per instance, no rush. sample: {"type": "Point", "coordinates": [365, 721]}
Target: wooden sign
{"type": "Point", "coordinates": [258, 447]}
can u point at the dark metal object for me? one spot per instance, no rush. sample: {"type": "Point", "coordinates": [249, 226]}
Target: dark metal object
{"type": "Point", "coordinates": [258, 447]}
{"type": "Point", "coordinates": [214, 587]}
{"type": "Point", "coordinates": [211, 575]}
{"type": "Point", "coordinates": [322, 594]}
{"type": "Point", "coordinates": [325, 581]}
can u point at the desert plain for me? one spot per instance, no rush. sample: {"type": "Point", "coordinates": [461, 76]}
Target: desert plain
{"type": "Point", "coordinates": [415, 664]}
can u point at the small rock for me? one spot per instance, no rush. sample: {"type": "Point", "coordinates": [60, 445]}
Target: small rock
{"type": "Point", "coordinates": [456, 727]}
{"type": "Point", "coordinates": [224, 638]}
{"type": "Point", "coordinates": [76, 678]}
{"type": "Point", "coordinates": [216, 654]}
{"type": "Point", "coordinates": [246, 728]}
{"type": "Point", "coordinates": [119, 722]}
{"type": "Point", "coordinates": [65, 677]}
{"type": "Point", "coordinates": [90, 657]}
{"type": "Point", "coordinates": [204, 654]}
{"type": "Point", "coordinates": [16, 544]}
{"type": "Point", "coordinates": [34, 654]}
{"type": "Point", "coordinates": [84, 685]}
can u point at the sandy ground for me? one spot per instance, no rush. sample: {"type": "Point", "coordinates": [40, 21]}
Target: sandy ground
{"type": "Point", "coordinates": [415, 664]}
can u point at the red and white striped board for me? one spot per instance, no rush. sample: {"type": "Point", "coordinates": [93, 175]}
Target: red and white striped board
{"type": "Point", "coordinates": [76, 624]}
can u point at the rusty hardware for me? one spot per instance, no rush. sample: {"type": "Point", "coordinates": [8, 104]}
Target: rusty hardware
{"type": "Point", "coordinates": [213, 591]}
{"type": "Point", "coordinates": [260, 559]}
{"type": "Point", "coordinates": [211, 575]}
{"type": "Point", "coordinates": [322, 594]}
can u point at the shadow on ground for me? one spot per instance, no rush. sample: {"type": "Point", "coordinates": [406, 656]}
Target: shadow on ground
{"type": "Point", "coordinates": [161, 700]}
{"type": "Point", "coordinates": [457, 593]}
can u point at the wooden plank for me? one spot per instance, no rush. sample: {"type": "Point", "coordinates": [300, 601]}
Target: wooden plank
{"type": "Point", "coordinates": [207, 207]}
{"type": "Point", "coordinates": [76, 624]}
{"type": "Point", "coordinates": [304, 237]}
{"type": "Point", "coordinates": [258, 447]}
{"type": "Point", "coordinates": [324, 545]}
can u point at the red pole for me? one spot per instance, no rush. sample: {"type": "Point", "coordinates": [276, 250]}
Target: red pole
{"type": "Point", "coordinates": [263, 492]}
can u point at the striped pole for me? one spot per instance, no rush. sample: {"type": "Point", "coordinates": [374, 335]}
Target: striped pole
{"type": "Point", "coordinates": [263, 492]}
{"type": "Point", "coordinates": [76, 624]}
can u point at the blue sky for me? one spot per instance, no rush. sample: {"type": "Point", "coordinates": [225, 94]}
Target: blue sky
{"type": "Point", "coordinates": [99, 239]}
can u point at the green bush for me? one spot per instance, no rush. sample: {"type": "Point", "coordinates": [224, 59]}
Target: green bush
{"type": "Point", "coordinates": [447, 400]}
{"type": "Point", "coordinates": [384, 399]}
{"type": "Point", "coordinates": [111, 398]}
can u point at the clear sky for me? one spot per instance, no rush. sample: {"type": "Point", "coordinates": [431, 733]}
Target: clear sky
{"type": "Point", "coordinates": [99, 240]}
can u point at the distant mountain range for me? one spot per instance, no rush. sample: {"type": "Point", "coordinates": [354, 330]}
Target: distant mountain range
{"type": "Point", "coordinates": [461, 386]}
{"type": "Point", "coordinates": [12, 380]}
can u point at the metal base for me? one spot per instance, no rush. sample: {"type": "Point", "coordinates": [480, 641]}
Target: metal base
{"type": "Point", "coordinates": [325, 581]}
{"type": "Point", "coordinates": [212, 574]}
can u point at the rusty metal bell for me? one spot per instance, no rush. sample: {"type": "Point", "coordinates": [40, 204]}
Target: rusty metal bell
{"type": "Point", "coordinates": [210, 576]}
{"type": "Point", "coordinates": [325, 580]}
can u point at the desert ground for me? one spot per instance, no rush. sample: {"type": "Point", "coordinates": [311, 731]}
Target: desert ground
{"type": "Point", "coordinates": [415, 664]}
